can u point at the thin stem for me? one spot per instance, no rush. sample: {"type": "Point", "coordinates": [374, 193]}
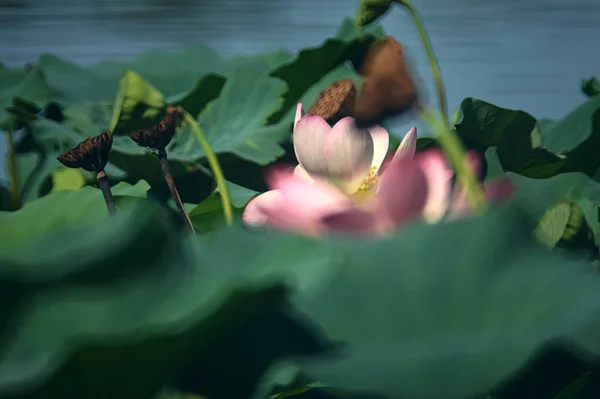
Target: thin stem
{"type": "Point", "coordinates": [455, 152]}
{"type": "Point", "coordinates": [213, 162]}
{"type": "Point", "coordinates": [433, 63]}
{"type": "Point", "coordinates": [105, 187]}
{"type": "Point", "coordinates": [15, 192]}
{"type": "Point", "coordinates": [164, 164]}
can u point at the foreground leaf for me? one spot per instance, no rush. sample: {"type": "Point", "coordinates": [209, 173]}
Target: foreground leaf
{"type": "Point", "coordinates": [420, 323]}
{"type": "Point", "coordinates": [105, 294]}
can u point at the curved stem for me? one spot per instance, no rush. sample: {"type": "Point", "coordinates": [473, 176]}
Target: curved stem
{"type": "Point", "coordinates": [164, 165]}
{"type": "Point", "coordinates": [433, 63]}
{"type": "Point", "coordinates": [455, 152]}
{"type": "Point", "coordinates": [15, 192]}
{"type": "Point", "coordinates": [213, 162]}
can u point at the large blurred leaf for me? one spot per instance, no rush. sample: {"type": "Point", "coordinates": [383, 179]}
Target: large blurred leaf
{"type": "Point", "coordinates": [30, 87]}
{"type": "Point", "coordinates": [452, 322]}
{"type": "Point", "coordinates": [85, 206]}
{"type": "Point", "coordinates": [534, 148]}
{"type": "Point", "coordinates": [117, 305]}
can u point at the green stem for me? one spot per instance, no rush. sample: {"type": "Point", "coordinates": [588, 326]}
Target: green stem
{"type": "Point", "coordinates": [433, 63]}
{"type": "Point", "coordinates": [15, 192]}
{"type": "Point", "coordinates": [213, 162]}
{"type": "Point", "coordinates": [455, 152]}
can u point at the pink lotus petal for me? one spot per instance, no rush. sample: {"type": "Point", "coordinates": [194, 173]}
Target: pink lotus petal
{"type": "Point", "coordinates": [475, 162]}
{"type": "Point", "coordinates": [353, 220]}
{"type": "Point", "coordinates": [313, 198]}
{"type": "Point", "coordinates": [300, 172]}
{"type": "Point", "coordinates": [254, 214]}
{"type": "Point", "coordinates": [495, 191]}
{"type": "Point", "coordinates": [403, 191]}
{"type": "Point", "coordinates": [299, 114]}
{"type": "Point", "coordinates": [288, 219]}
{"type": "Point", "coordinates": [499, 189]}
{"type": "Point", "coordinates": [408, 145]}
{"type": "Point", "coordinates": [381, 143]}
{"type": "Point", "coordinates": [302, 204]}
{"type": "Point", "coordinates": [348, 153]}
{"type": "Point", "coordinates": [438, 173]}
{"type": "Point", "coordinates": [309, 143]}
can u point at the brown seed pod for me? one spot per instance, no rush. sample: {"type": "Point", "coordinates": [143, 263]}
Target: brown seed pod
{"type": "Point", "coordinates": [388, 88]}
{"type": "Point", "coordinates": [91, 154]}
{"type": "Point", "coordinates": [159, 136]}
{"type": "Point", "coordinates": [335, 102]}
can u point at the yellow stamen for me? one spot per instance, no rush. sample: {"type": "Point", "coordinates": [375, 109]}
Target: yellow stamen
{"type": "Point", "coordinates": [370, 180]}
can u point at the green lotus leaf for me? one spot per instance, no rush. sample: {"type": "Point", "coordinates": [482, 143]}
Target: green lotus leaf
{"type": "Point", "coordinates": [136, 101]}
{"type": "Point", "coordinates": [34, 166]}
{"type": "Point", "coordinates": [64, 179]}
{"type": "Point", "coordinates": [537, 196]}
{"type": "Point", "coordinates": [171, 72]}
{"type": "Point", "coordinates": [57, 208]}
{"type": "Point", "coordinates": [453, 322]}
{"type": "Point", "coordinates": [534, 148]}
{"type": "Point", "coordinates": [5, 199]}
{"type": "Point", "coordinates": [235, 122]}
{"type": "Point", "coordinates": [129, 290]}
{"type": "Point", "coordinates": [208, 215]}
{"type": "Point", "coordinates": [192, 77]}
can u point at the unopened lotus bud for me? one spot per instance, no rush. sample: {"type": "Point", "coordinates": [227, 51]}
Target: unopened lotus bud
{"type": "Point", "coordinates": [335, 102]}
{"type": "Point", "coordinates": [159, 136]}
{"type": "Point", "coordinates": [370, 11]}
{"type": "Point", "coordinates": [388, 88]}
{"type": "Point", "coordinates": [91, 154]}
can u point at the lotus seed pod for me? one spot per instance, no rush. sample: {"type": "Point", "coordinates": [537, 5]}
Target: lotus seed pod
{"type": "Point", "coordinates": [388, 88]}
{"type": "Point", "coordinates": [159, 136]}
{"type": "Point", "coordinates": [335, 102]}
{"type": "Point", "coordinates": [91, 154]}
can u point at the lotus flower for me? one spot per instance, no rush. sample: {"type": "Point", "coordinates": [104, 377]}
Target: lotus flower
{"type": "Point", "coordinates": [340, 184]}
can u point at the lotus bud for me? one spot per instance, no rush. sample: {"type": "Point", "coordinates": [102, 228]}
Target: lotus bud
{"type": "Point", "coordinates": [370, 11]}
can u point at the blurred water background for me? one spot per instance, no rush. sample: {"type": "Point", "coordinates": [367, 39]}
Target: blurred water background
{"type": "Point", "coordinates": [527, 54]}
